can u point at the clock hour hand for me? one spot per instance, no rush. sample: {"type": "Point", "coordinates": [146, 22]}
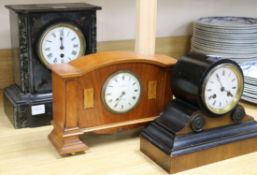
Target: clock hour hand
{"type": "Point", "coordinates": [61, 47]}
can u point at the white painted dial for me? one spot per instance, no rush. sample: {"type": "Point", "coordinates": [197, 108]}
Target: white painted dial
{"type": "Point", "coordinates": [121, 92]}
{"type": "Point", "coordinates": [222, 88]}
{"type": "Point", "coordinates": [61, 43]}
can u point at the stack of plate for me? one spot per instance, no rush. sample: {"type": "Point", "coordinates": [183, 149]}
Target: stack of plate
{"type": "Point", "coordinates": [229, 37]}
{"type": "Point", "coordinates": [250, 85]}
{"type": "Point", "coordinates": [234, 38]}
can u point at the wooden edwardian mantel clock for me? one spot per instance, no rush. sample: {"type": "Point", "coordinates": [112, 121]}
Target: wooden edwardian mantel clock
{"type": "Point", "coordinates": [105, 93]}
{"type": "Point", "coordinates": [41, 35]}
{"type": "Point", "coordinates": [205, 123]}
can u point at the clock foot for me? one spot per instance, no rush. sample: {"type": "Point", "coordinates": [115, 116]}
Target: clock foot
{"type": "Point", "coordinates": [67, 145]}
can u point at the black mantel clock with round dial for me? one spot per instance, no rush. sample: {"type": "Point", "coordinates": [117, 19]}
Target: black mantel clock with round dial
{"type": "Point", "coordinates": [212, 84]}
{"type": "Point", "coordinates": [41, 35]}
{"type": "Point", "coordinates": [205, 122]}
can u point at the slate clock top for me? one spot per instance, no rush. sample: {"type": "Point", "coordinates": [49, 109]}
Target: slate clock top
{"type": "Point", "coordinates": [32, 8]}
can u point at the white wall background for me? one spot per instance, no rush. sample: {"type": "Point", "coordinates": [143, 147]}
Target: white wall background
{"type": "Point", "coordinates": [117, 19]}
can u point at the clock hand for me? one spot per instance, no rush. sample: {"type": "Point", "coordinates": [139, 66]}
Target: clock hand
{"type": "Point", "coordinates": [119, 98]}
{"type": "Point", "coordinates": [62, 47]}
{"type": "Point", "coordinates": [222, 87]}
{"type": "Point", "coordinates": [121, 95]}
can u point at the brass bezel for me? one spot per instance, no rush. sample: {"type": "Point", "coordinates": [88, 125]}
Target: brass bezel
{"type": "Point", "coordinates": [239, 92]}
{"type": "Point", "coordinates": [105, 85]}
{"type": "Point", "coordinates": [50, 28]}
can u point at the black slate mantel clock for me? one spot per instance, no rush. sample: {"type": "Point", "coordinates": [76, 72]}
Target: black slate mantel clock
{"type": "Point", "coordinates": [205, 123]}
{"type": "Point", "coordinates": [41, 35]}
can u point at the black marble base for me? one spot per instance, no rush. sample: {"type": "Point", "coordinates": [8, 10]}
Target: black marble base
{"type": "Point", "coordinates": [27, 110]}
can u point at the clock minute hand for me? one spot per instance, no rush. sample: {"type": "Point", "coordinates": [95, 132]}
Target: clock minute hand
{"type": "Point", "coordinates": [119, 98]}
{"type": "Point", "coordinates": [222, 87]}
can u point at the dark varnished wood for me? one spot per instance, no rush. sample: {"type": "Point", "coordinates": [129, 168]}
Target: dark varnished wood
{"type": "Point", "coordinates": [72, 119]}
{"type": "Point", "coordinates": [174, 164]}
{"type": "Point", "coordinates": [170, 141]}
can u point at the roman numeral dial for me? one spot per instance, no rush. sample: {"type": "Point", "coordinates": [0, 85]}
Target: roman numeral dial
{"type": "Point", "coordinates": [61, 43]}
{"type": "Point", "coordinates": [221, 88]}
{"type": "Point", "coordinates": [121, 92]}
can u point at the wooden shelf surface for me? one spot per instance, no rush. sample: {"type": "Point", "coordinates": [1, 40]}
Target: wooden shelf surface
{"type": "Point", "coordinates": [29, 152]}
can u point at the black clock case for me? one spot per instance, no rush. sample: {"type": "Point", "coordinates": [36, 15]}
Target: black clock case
{"type": "Point", "coordinates": [32, 78]}
{"type": "Point", "coordinates": [189, 75]}
{"type": "Point", "coordinates": [168, 139]}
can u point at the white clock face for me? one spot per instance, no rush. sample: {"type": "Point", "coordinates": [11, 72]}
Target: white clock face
{"type": "Point", "coordinates": [61, 43]}
{"type": "Point", "coordinates": [121, 92]}
{"type": "Point", "coordinates": [222, 88]}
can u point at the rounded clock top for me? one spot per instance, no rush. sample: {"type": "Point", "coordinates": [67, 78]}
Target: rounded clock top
{"type": "Point", "coordinates": [61, 43]}
{"type": "Point", "coordinates": [121, 92]}
{"type": "Point", "coordinates": [212, 83]}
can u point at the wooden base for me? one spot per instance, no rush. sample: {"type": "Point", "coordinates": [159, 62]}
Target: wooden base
{"type": "Point", "coordinates": [180, 160]}
{"type": "Point", "coordinates": [68, 141]}
{"type": "Point", "coordinates": [67, 145]}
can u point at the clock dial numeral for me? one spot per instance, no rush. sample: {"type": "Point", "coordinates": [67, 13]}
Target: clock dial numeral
{"type": "Point", "coordinates": [74, 52]}
{"type": "Point", "coordinates": [61, 32]}
{"type": "Point", "coordinates": [68, 33]}
{"type": "Point", "coordinates": [72, 39]}
{"type": "Point", "coordinates": [75, 45]}
{"type": "Point", "coordinates": [55, 60]}
{"type": "Point", "coordinates": [50, 55]}
{"type": "Point", "coordinates": [47, 49]}
{"type": "Point", "coordinates": [54, 35]}
{"type": "Point", "coordinates": [49, 41]}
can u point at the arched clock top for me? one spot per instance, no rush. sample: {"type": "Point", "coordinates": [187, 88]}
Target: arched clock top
{"type": "Point", "coordinates": [89, 63]}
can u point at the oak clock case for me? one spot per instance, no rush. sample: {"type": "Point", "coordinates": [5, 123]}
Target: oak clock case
{"type": "Point", "coordinates": [110, 92]}
{"type": "Point", "coordinates": [39, 37]}
{"type": "Point", "coordinates": [204, 119]}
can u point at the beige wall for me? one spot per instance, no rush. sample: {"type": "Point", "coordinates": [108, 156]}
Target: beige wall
{"type": "Point", "coordinates": [117, 19]}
